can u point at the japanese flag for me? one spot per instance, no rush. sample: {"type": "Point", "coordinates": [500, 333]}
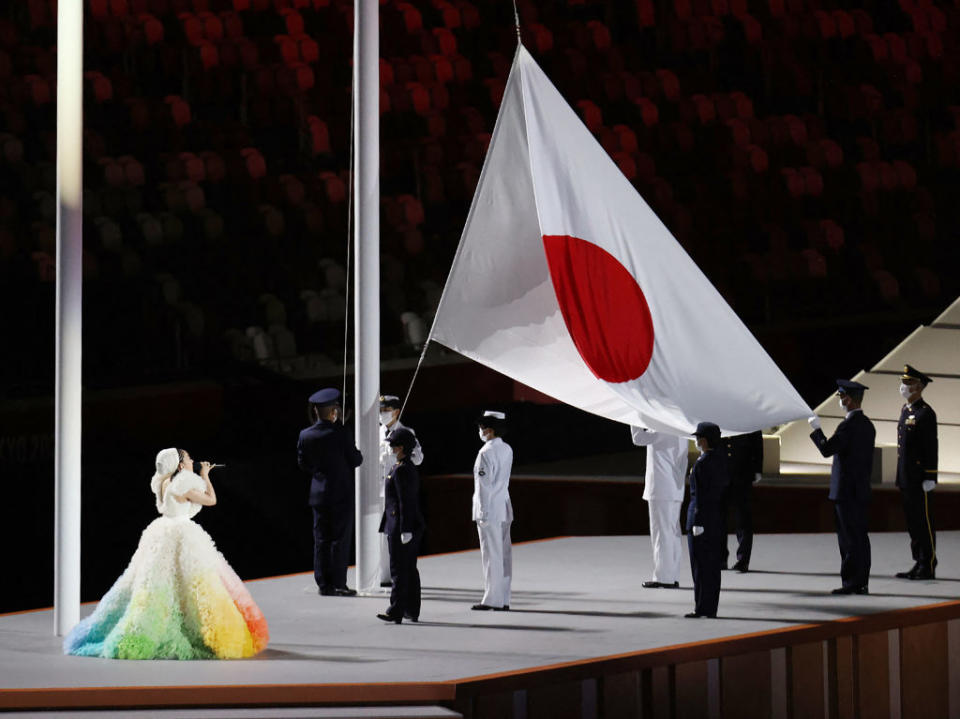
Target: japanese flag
{"type": "Point", "coordinates": [566, 281]}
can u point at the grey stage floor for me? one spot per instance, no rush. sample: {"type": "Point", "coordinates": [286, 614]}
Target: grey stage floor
{"type": "Point", "coordinates": [573, 598]}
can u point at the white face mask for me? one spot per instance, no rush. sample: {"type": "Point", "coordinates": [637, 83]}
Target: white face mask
{"type": "Point", "coordinates": [386, 418]}
{"type": "Point", "coordinates": [842, 405]}
{"type": "Point", "coordinates": [905, 390]}
{"type": "Point", "coordinates": [483, 435]}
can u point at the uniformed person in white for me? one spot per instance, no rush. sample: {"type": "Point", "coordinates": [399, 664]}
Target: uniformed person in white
{"type": "Point", "coordinates": [663, 491]}
{"type": "Point", "coordinates": [390, 406]}
{"type": "Point", "coordinates": [493, 512]}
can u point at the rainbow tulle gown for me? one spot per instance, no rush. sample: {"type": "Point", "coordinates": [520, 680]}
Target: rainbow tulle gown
{"type": "Point", "coordinates": [177, 599]}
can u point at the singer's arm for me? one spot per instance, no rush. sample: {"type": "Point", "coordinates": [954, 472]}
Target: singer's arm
{"type": "Point", "coordinates": [207, 497]}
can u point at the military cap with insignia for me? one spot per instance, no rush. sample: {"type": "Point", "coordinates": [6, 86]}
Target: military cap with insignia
{"type": "Point", "coordinates": [913, 373]}
{"type": "Point", "coordinates": [325, 397]}
{"type": "Point", "coordinates": [389, 401]}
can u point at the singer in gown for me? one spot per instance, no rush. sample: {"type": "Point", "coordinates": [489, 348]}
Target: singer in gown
{"type": "Point", "coordinates": [178, 598]}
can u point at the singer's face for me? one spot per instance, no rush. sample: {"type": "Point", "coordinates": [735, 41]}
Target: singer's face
{"type": "Point", "coordinates": [187, 461]}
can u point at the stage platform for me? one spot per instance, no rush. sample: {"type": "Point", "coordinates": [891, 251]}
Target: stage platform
{"type": "Point", "coordinates": [578, 610]}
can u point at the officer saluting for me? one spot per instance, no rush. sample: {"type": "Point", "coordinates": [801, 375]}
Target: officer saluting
{"type": "Point", "coordinates": [917, 472]}
{"type": "Point", "coordinates": [851, 447]}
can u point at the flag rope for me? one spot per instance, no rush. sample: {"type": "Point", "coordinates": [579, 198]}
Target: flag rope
{"type": "Point", "coordinates": [346, 315]}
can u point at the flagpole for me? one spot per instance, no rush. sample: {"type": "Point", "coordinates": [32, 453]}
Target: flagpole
{"type": "Point", "coordinates": [366, 98]}
{"type": "Point", "coordinates": [69, 317]}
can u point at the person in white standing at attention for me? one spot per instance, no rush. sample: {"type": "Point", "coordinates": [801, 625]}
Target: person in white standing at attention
{"type": "Point", "coordinates": [663, 489]}
{"type": "Point", "coordinates": [493, 512]}
{"type": "Point", "coordinates": [390, 406]}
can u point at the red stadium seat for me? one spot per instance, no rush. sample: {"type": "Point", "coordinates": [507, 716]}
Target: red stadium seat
{"type": "Point", "coordinates": [294, 192]}
{"type": "Point", "coordinates": [412, 20]}
{"type": "Point", "coordinates": [739, 131]}
{"type": "Point", "coordinates": [814, 263]}
{"type": "Point", "coordinates": [215, 168]}
{"type": "Point", "coordinates": [319, 136]}
{"type": "Point", "coordinates": [179, 110]}
{"type": "Point", "coordinates": [626, 164]}
{"type": "Point", "coordinates": [446, 41]}
{"type": "Point", "coordinates": [542, 38]}
{"type": "Point", "coordinates": [887, 285]}
{"type": "Point", "coordinates": [833, 235]}
{"type": "Point", "coordinates": [334, 189]}
{"type": "Point", "coordinates": [906, 175]}
{"type": "Point", "coordinates": [591, 115]}
{"type": "Point", "coordinates": [254, 162]}
{"type": "Point", "coordinates": [646, 14]}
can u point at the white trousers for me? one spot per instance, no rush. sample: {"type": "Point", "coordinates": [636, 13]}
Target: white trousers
{"type": "Point", "coordinates": [666, 539]}
{"type": "Point", "coordinates": [496, 555]}
{"type": "Point", "coordinates": [384, 559]}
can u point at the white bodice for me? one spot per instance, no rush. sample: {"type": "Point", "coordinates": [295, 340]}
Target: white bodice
{"type": "Point", "coordinates": [181, 483]}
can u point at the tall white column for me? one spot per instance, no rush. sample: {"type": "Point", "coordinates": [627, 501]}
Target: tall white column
{"type": "Point", "coordinates": [66, 583]}
{"type": "Point", "coordinates": [366, 99]}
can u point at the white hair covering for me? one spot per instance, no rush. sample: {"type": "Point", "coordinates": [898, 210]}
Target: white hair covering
{"type": "Point", "coordinates": [167, 462]}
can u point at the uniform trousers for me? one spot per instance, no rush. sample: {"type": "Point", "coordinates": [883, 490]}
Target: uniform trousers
{"type": "Point", "coordinates": [666, 539]}
{"type": "Point", "coordinates": [739, 497]}
{"type": "Point", "coordinates": [706, 552]}
{"type": "Point", "coordinates": [918, 510]}
{"type": "Point", "coordinates": [496, 556]}
{"type": "Point", "coordinates": [332, 532]}
{"type": "Point", "coordinates": [854, 543]}
{"type": "Point", "coordinates": [405, 594]}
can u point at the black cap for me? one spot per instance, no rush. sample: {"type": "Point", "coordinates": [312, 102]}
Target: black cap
{"type": "Point", "coordinates": [325, 397]}
{"type": "Point", "coordinates": [913, 373]}
{"type": "Point", "coordinates": [846, 386]}
{"type": "Point", "coordinates": [390, 401]}
{"type": "Point", "coordinates": [708, 430]}
{"type": "Point", "coordinates": [402, 437]}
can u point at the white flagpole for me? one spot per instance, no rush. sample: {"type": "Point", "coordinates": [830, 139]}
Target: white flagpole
{"type": "Point", "coordinates": [366, 98]}
{"type": "Point", "coordinates": [66, 582]}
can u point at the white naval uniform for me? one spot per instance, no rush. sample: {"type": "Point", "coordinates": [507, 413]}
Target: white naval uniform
{"type": "Point", "coordinates": [387, 460]}
{"type": "Point", "coordinates": [663, 491]}
{"type": "Point", "coordinates": [493, 514]}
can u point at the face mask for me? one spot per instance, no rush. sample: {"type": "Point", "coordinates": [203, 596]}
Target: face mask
{"type": "Point", "coordinates": [483, 436]}
{"type": "Point", "coordinates": [386, 418]}
{"type": "Point", "coordinates": [842, 405]}
{"type": "Point", "coordinates": [905, 391]}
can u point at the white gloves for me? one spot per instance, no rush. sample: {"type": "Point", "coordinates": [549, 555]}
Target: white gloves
{"type": "Point", "coordinates": [697, 531]}
{"type": "Point", "coordinates": [814, 422]}
{"type": "Point", "coordinates": [928, 485]}
{"type": "Point", "coordinates": [405, 537]}
{"type": "Point", "coordinates": [757, 477]}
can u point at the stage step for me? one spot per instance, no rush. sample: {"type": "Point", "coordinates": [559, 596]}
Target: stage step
{"type": "Point", "coordinates": [383, 712]}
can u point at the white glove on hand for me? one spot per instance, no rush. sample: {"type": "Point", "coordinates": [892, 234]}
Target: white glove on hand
{"type": "Point", "coordinates": [697, 531]}
{"type": "Point", "coordinates": [405, 537]}
{"type": "Point", "coordinates": [814, 422]}
{"type": "Point", "coordinates": [757, 477]}
{"type": "Point", "coordinates": [481, 522]}
{"type": "Point", "coordinates": [928, 485]}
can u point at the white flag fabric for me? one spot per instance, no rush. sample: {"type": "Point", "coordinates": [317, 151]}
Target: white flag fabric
{"type": "Point", "coordinates": [566, 281]}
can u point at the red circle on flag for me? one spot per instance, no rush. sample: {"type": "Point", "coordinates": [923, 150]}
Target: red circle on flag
{"type": "Point", "coordinates": [603, 307]}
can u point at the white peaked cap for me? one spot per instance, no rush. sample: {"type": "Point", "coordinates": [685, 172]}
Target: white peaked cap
{"type": "Point", "coordinates": [494, 414]}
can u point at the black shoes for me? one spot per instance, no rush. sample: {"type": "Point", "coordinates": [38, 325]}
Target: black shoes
{"type": "Point", "coordinates": [741, 567]}
{"type": "Point", "coordinates": [660, 585]}
{"type": "Point", "coordinates": [504, 608]}
{"type": "Point", "coordinates": [488, 608]}
{"type": "Point", "coordinates": [698, 615]}
{"type": "Point", "coordinates": [851, 590]}
{"type": "Point", "coordinates": [412, 618]}
{"type": "Point", "coordinates": [919, 572]}
{"type": "Point", "coordinates": [386, 583]}
{"type": "Point", "coordinates": [337, 592]}
{"type": "Point", "coordinates": [390, 618]}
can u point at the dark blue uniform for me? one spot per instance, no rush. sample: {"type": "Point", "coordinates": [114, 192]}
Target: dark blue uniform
{"type": "Point", "coordinates": [708, 483]}
{"type": "Point", "coordinates": [401, 499]}
{"type": "Point", "coordinates": [916, 462]}
{"type": "Point", "coordinates": [327, 452]}
{"type": "Point", "coordinates": [744, 462]}
{"type": "Point", "coordinates": [851, 447]}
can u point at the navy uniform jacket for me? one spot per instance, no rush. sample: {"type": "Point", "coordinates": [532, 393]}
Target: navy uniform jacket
{"type": "Point", "coordinates": [744, 457]}
{"type": "Point", "coordinates": [851, 447]}
{"type": "Point", "coordinates": [708, 481]}
{"type": "Point", "coordinates": [916, 445]}
{"type": "Point", "coordinates": [401, 500]}
{"type": "Point", "coordinates": [327, 452]}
